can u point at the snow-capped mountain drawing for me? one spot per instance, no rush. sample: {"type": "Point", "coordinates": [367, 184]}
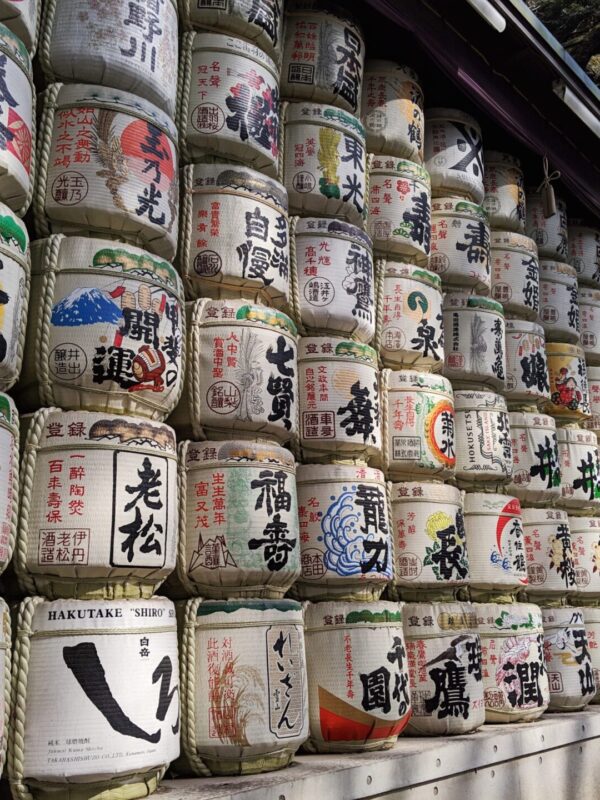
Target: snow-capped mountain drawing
{"type": "Point", "coordinates": [212, 554]}
{"type": "Point", "coordinates": [85, 307]}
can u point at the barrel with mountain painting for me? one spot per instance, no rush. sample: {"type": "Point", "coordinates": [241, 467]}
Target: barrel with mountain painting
{"type": "Point", "coordinates": [536, 468]}
{"type": "Point", "coordinates": [238, 526]}
{"type": "Point", "coordinates": [585, 544]}
{"type": "Point", "coordinates": [584, 253]}
{"type": "Point", "coordinates": [504, 185]}
{"type": "Point", "coordinates": [567, 657]}
{"type": "Point", "coordinates": [569, 391]}
{"type": "Point", "coordinates": [22, 18]}
{"type": "Point", "coordinates": [14, 295]}
{"type": "Point", "coordinates": [550, 566]}
{"type": "Point", "coordinates": [107, 166]}
{"type": "Point", "coordinates": [453, 154]}
{"type": "Point", "coordinates": [112, 668]}
{"type": "Point", "coordinates": [106, 329]}
{"type": "Point", "coordinates": [460, 244]}
{"type": "Point", "coordinates": [579, 460]}
{"type": "Point", "coordinates": [9, 478]}
{"type": "Point", "coordinates": [515, 274]}
{"type": "Point", "coordinates": [350, 648]}
{"type": "Point", "coordinates": [483, 444]}
{"type": "Point", "coordinates": [244, 698]}
{"type": "Point", "coordinates": [548, 232]}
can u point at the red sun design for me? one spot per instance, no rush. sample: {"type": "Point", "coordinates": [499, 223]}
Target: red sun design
{"type": "Point", "coordinates": [143, 143]}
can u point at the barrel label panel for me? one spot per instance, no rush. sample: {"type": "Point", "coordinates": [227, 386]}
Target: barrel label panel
{"type": "Point", "coordinates": [286, 681]}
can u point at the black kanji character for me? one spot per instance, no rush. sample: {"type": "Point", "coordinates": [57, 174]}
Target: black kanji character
{"type": "Point", "coordinates": [277, 545]}
{"type": "Point", "coordinates": [362, 413]}
{"type": "Point", "coordinates": [272, 491]}
{"type": "Point", "coordinates": [376, 690]}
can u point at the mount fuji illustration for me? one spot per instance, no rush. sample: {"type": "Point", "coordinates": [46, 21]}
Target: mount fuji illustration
{"type": "Point", "coordinates": [85, 307]}
{"type": "Point", "coordinates": [211, 554]}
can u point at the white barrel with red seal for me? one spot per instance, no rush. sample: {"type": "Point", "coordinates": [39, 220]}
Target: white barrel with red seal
{"type": "Point", "coordinates": [453, 154]}
{"type": "Point", "coordinates": [549, 233]}
{"type": "Point", "coordinates": [515, 274]}
{"type": "Point", "coordinates": [504, 185]}
{"type": "Point", "coordinates": [460, 244]}
{"type": "Point", "coordinates": [536, 467]}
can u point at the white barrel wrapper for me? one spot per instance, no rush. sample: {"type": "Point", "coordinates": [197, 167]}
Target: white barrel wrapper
{"type": "Point", "coordinates": [594, 394]}
{"type": "Point", "coordinates": [411, 332]}
{"type": "Point", "coordinates": [392, 110]}
{"type": "Point", "coordinates": [584, 254]}
{"type": "Point", "coordinates": [569, 391]}
{"type": "Point", "coordinates": [589, 315]}
{"type": "Point", "coordinates": [239, 528]}
{"type": "Point", "coordinates": [549, 233]}
{"type": "Point", "coordinates": [536, 469]}
{"type": "Point", "coordinates": [241, 380]}
{"type": "Point", "coordinates": [585, 543]}
{"type": "Point", "coordinates": [399, 220]}
{"type": "Point", "coordinates": [334, 269]}
{"type": "Point", "coordinates": [5, 678]}
{"type": "Point", "coordinates": [244, 679]}
{"type": "Point", "coordinates": [559, 302]}
{"type": "Point", "coordinates": [99, 508]}
{"type": "Point", "coordinates": [504, 186]}
{"type": "Point", "coordinates": [495, 542]}
{"type": "Point", "coordinates": [429, 536]}
{"type": "Point", "coordinates": [112, 717]}
{"type": "Point", "coordinates": [568, 661]}
{"type": "Point", "coordinates": [9, 478]}
{"type": "Point", "coordinates": [526, 366]}
{"type": "Point", "coordinates": [453, 153]}
{"type": "Point", "coordinates": [579, 468]}
{"type": "Point", "coordinates": [14, 294]}
{"type": "Point", "coordinates": [444, 664]}
{"type": "Point", "coordinates": [338, 385]}
{"type": "Point", "coordinates": [512, 658]}
{"type": "Point", "coordinates": [460, 244]}
{"type": "Point", "coordinates": [112, 328]}
{"type": "Point", "coordinates": [550, 567]}
{"type": "Point", "coordinates": [515, 273]}
{"type": "Point", "coordinates": [591, 618]}
{"type": "Point", "coordinates": [358, 686]}
{"type": "Point", "coordinates": [346, 546]}
{"type": "Point", "coordinates": [418, 425]}
{"type": "Point", "coordinates": [483, 444]}
{"type": "Point", "coordinates": [325, 162]}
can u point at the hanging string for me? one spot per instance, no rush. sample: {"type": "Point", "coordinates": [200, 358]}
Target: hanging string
{"type": "Point", "coordinates": [547, 191]}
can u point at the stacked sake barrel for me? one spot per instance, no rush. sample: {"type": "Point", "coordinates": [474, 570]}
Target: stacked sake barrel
{"type": "Point", "coordinates": [96, 532]}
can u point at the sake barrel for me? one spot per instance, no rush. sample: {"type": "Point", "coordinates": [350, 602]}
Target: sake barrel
{"type": "Point", "coordinates": [549, 555]}
{"type": "Point", "coordinates": [99, 506]}
{"type": "Point", "coordinates": [14, 294]}
{"type": "Point", "coordinates": [108, 166]}
{"type": "Point", "coordinates": [512, 658]}
{"type": "Point", "coordinates": [418, 425]}
{"type": "Point", "coordinates": [515, 274]}
{"type": "Point", "coordinates": [241, 380]}
{"type": "Point", "coordinates": [237, 715]}
{"type": "Point", "coordinates": [338, 391]}
{"type": "Point", "coordinates": [399, 219]}
{"type": "Point", "coordinates": [585, 543]}
{"type": "Point", "coordinates": [5, 677]}
{"type": "Point", "coordinates": [105, 329]}
{"type": "Point", "coordinates": [536, 467]}
{"type": "Point", "coordinates": [567, 656]}
{"type": "Point", "coordinates": [346, 548]}
{"type": "Point", "coordinates": [474, 347]}
{"type": "Point", "coordinates": [22, 18]}
{"type": "Point", "coordinates": [460, 243]}
{"type": "Point", "coordinates": [504, 187]}
{"type": "Point", "coordinates": [591, 618]}
{"type": "Point", "coordinates": [323, 55]}
{"type": "Point", "coordinates": [483, 444]}
{"type": "Point", "coordinates": [358, 689]}
{"type": "Point", "coordinates": [549, 233]}
{"type": "Point", "coordinates": [584, 254]}
{"type": "Point", "coordinates": [112, 670]}
{"type": "Point", "coordinates": [238, 532]}
{"type": "Point", "coordinates": [235, 235]}
{"type": "Point", "coordinates": [589, 314]}
{"type": "Point", "coordinates": [334, 271]}
{"type": "Point", "coordinates": [444, 665]}
{"type": "Point", "coordinates": [579, 467]}
{"type": "Point", "coordinates": [429, 537]}
{"type": "Point", "coordinates": [411, 333]}
{"type": "Point", "coordinates": [526, 364]}
{"type": "Point", "coordinates": [125, 48]}
{"type": "Point", "coordinates": [453, 154]}
{"type": "Point", "coordinates": [9, 481]}
{"type": "Point", "coordinates": [17, 145]}
{"type": "Point", "coordinates": [324, 164]}
{"type": "Point", "coordinates": [559, 305]}
{"type": "Point", "coordinates": [494, 535]}
{"type": "Point", "coordinates": [392, 110]}
{"type": "Point", "coordinates": [258, 21]}
{"type": "Point", "coordinates": [228, 102]}
{"type": "Point", "coordinates": [569, 393]}
{"type": "Point", "coordinates": [594, 392]}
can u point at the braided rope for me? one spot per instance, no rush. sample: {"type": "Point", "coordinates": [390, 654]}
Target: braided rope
{"type": "Point", "coordinates": [296, 311]}
{"type": "Point", "coordinates": [186, 227]}
{"type": "Point", "coordinates": [184, 13]}
{"type": "Point", "coordinates": [194, 377]}
{"type": "Point", "coordinates": [174, 402]}
{"type": "Point", "coordinates": [6, 669]}
{"type": "Point", "coordinates": [184, 82]}
{"type": "Point", "coordinates": [391, 530]}
{"type": "Point", "coordinates": [43, 147]}
{"type": "Point", "coordinates": [379, 266]}
{"type": "Point", "coordinates": [282, 128]}
{"type": "Point", "coordinates": [43, 328]}
{"type": "Point", "coordinates": [28, 463]}
{"type": "Point", "coordinates": [33, 161]}
{"type": "Point", "coordinates": [187, 682]}
{"type": "Point", "coordinates": [14, 510]}
{"type": "Point", "coordinates": [181, 565]}
{"type": "Point", "coordinates": [384, 383]}
{"type": "Point", "coordinates": [23, 321]}
{"type": "Point", "coordinates": [47, 22]}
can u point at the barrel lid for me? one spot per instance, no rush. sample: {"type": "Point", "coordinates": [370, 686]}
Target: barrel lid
{"type": "Point", "coordinates": [384, 67]}
{"type": "Point", "coordinates": [8, 412]}
{"type": "Point", "coordinates": [14, 238]}
{"type": "Point", "coordinates": [562, 349]}
{"type": "Point", "coordinates": [524, 326]}
{"type": "Point", "coordinates": [233, 46]}
{"type": "Point", "coordinates": [319, 473]}
{"type": "Point", "coordinates": [465, 400]}
{"type": "Point", "coordinates": [398, 269]}
{"type": "Point", "coordinates": [580, 525]}
{"type": "Point", "coordinates": [368, 614]}
{"type": "Point", "coordinates": [458, 300]}
{"type": "Point", "coordinates": [577, 436]}
{"type": "Point", "coordinates": [321, 114]}
{"type": "Point", "coordinates": [450, 206]}
{"type": "Point", "coordinates": [452, 115]}
{"type": "Point", "coordinates": [589, 296]}
{"type": "Point", "coordinates": [405, 379]}
{"type": "Point", "coordinates": [427, 491]}
{"type": "Point", "coordinates": [14, 47]}
{"type": "Point", "coordinates": [562, 616]}
{"type": "Point", "coordinates": [514, 619]}
{"type": "Point", "coordinates": [336, 227]}
{"type": "Point", "coordinates": [400, 167]}
{"type": "Point", "coordinates": [200, 455]}
{"type": "Point", "coordinates": [531, 419]}
{"type": "Point", "coordinates": [238, 178]}
{"type": "Point", "coordinates": [228, 312]}
{"type": "Point", "coordinates": [489, 503]}
{"type": "Point", "coordinates": [508, 240]}
{"type": "Point", "coordinates": [544, 516]}
{"type": "Point", "coordinates": [325, 347]}
{"type": "Point", "coordinates": [208, 607]}
{"type": "Point", "coordinates": [551, 269]}
{"type": "Point", "coordinates": [85, 94]}
{"type": "Point", "coordinates": [496, 157]}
